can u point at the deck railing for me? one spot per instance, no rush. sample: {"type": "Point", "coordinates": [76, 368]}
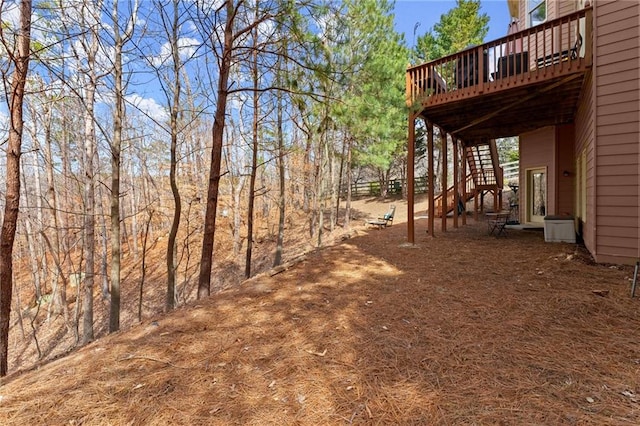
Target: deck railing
{"type": "Point", "coordinates": [554, 48]}
{"type": "Point", "coordinates": [468, 186]}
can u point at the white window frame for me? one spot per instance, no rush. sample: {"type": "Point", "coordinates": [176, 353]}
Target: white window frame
{"type": "Point", "coordinates": [530, 11]}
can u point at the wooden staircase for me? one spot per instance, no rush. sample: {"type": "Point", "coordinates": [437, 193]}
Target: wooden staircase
{"type": "Point", "coordinates": [485, 166]}
{"type": "Point", "coordinates": [485, 175]}
{"type": "Point", "coordinates": [451, 197]}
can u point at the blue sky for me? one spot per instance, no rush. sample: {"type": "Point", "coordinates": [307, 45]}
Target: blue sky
{"type": "Point", "coordinates": [427, 12]}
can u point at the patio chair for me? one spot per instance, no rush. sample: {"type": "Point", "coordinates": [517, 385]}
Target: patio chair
{"type": "Point", "coordinates": [566, 55]}
{"type": "Point", "coordinates": [497, 222]}
{"type": "Point", "coordinates": [384, 221]}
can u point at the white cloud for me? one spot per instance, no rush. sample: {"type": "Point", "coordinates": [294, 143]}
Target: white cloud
{"type": "Point", "coordinates": [186, 49]}
{"type": "Point", "coordinates": [149, 106]}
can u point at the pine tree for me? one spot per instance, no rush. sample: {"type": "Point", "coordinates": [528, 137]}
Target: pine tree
{"type": "Point", "coordinates": [373, 109]}
{"type": "Point", "coordinates": [461, 27]}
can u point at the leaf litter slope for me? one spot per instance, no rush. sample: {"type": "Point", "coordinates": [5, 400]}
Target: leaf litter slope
{"type": "Point", "coordinates": [461, 329]}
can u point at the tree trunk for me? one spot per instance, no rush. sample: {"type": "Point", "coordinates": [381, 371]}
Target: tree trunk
{"type": "Point", "coordinates": [143, 267]}
{"type": "Point", "coordinates": [307, 170]}
{"type": "Point", "coordinates": [235, 163]}
{"type": "Point", "coordinates": [65, 217]}
{"type": "Point", "coordinates": [340, 173]}
{"type": "Point", "coordinates": [33, 227]}
{"type": "Point", "coordinates": [254, 159]}
{"type": "Point", "coordinates": [281, 175]}
{"type": "Point", "coordinates": [333, 188]}
{"type": "Point", "coordinates": [31, 245]}
{"type": "Point", "coordinates": [177, 208]}
{"type": "Point", "coordinates": [321, 186]}
{"type": "Point", "coordinates": [236, 186]}
{"type": "Point", "coordinates": [133, 205]}
{"type": "Point", "coordinates": [206, 260]}
{"type": "Point", "coordinates": [89, 153]}
{"type": "Point", "coordinates": [119, 41]}
{"type": "Point", "coordinates": [20, 61]}
{"type": "Point", "coordinates": [104, 243]}
{"type": "Point", "coordinates": [347, 207]}
{"type": "Point", "coordinates": [60, 290]}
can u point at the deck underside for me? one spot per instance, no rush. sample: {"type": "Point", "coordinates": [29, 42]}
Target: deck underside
{"type": "Point", "coordinates": [511, 111]}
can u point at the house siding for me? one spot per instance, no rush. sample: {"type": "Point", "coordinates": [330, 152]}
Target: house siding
{"type": "Point", "coordinates": [563, 38]}
{"type": "Point", "coordinates": [565, 7]}
{"type": "Point", "coordinates": [617, 131]}
{"type": "Point", "coordinates": [524, 5]}
{"type": "Point", "coordinates": [537, 150]}
{"type": "Point", "coordinates": [551, 148]}
{"type": "Point", "coordinates": [555, 9]}
{"type": "Point", "coordinates": [584, 135]}
{"type": "Point", "coordinates": [565, 164]}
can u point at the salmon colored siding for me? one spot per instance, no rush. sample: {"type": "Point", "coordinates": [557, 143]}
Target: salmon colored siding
{"type": "Point", "coordinates": [555, 9]}
{"type": "Point", "coordinates": [617, 130]}
{"type": "Point", "coordinates": [537, 150]}
{"type": "Point", "coordinates": [560, 39]}
{"type": "Point", "coordinates": [551, 148]}
{"type": "Point", "coordinates": [585, 142]}
{"type": "Point", "coordinates": [565, 7]}
{"type": "Point", "coordinates": [565, 164]}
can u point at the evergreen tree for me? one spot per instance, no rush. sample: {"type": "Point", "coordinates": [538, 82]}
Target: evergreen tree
{"type": "Point", "coordinates": [373, 110]}
{"type": "Point", "coordinates": [461, 27]}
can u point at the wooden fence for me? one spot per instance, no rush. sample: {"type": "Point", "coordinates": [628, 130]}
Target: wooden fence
{"type": "Point", "coordinates": [394, 187]}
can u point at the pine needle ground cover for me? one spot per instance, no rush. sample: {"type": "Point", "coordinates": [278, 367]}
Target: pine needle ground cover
{"type": "Point", "coordinates": [463, 328]}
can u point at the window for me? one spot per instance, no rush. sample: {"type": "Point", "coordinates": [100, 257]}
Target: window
{"type": "Point", "coordinates": [537, 12]}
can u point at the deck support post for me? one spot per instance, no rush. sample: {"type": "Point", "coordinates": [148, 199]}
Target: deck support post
{"type": "Point", "coordinates": [476, 193]}
{"type": "Point", "coordinates": [430, 170]}
{"type": "Point", "coordinates": [411, 149]}
{"type": "Point", "coordinates": [464, 182]}
{"type": "Point", "coordinates": [456, 181]}
{"type": "Point", "coordinates": [445, 208]}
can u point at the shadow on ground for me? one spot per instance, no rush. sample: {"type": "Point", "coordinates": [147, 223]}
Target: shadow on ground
{"type": "Point", "coordinates": [461, 328]}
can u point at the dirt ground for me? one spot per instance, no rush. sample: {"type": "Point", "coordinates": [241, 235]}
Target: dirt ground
{"type": "Point", "coordinates": [462, 328]}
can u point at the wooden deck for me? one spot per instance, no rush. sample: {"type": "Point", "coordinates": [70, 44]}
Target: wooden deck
{"type": "Point", "coordinates": [485, 91]}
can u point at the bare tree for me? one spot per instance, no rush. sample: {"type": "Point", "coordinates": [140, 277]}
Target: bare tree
{"type": "Point", "coordinates": [254, 148]}
{"type": "Point", "coordinates": [119, 41]}
{"type": "Point", "coordinates": [18, 55]}
{"type": "Point", "coordinates": [90, 78]}
{"type": "Point", "coordinates": [280, 161]}
{"type": "Point", "coordinates": [206, 260]}
{"type": "Point", "coordinates": [171, 26]}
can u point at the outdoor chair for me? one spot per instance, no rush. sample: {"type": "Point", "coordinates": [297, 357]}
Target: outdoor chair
{"type": "Point", "coordinates": [497, 223]}
{"type": "Point", "coordinates": [566, 55]}
{"type": "Point", "coordinates": [384, 221]}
